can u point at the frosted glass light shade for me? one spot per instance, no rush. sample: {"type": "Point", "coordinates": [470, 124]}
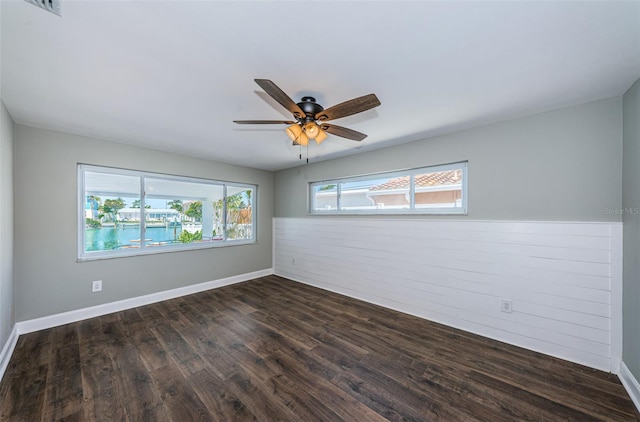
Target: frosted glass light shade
{"type": "Point", "coordinates": [301, 140]}
{"type": "Point", "coordinates": [311, 129]}
{"type": "Point", "coordinates": [294, 131]}
{"type": "Point", "coordinates": [321, 136]}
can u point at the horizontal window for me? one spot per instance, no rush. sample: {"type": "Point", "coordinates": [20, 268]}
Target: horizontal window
{"type": "Point", "coordinates": [124, 212]}
{"type": "Point", "coordinates": [427, 190]}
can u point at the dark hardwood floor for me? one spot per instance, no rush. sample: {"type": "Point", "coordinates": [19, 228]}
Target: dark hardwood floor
{"type": "Point", "coordinates": [271, 349]}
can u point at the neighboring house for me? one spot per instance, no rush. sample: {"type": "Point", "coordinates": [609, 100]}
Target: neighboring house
{"type": "Point", "coordinates": [441, 189]}
{"type": "Point", "coordinates": [91, 208]}
{"type": "Point", "coordinates": [133, 214]}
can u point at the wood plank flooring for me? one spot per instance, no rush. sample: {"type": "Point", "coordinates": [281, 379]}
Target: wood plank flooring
{"type": "Point", "coordinates": [274, 350]}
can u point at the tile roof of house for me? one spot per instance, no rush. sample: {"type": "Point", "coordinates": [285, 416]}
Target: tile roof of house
{"type": "Point", "coordinates": [441, 178]}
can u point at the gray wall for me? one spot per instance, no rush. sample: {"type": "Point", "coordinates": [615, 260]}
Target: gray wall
{"type": "Point", "coordinates": [559, 165]}
{"type": "Point", "coordinates": [631, 230]}
{"type": "Point", "coordinates": [48, 278]}
{"type": "Point", "coordinates": [6, 226]}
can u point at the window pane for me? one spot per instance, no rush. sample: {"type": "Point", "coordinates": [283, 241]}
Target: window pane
{"type": "Point", "coordinates": [325, 197]}
{"type": "Point", "coordinates": [179, 212]}
{"type": "Point", "coordinates": [391, 193]}
{"type": "Point", "coordinates": [441, 189]}
{"type": "Point", "coordinates": [106, 195]}
{"type": "Point", "coordinates": [239, 212]}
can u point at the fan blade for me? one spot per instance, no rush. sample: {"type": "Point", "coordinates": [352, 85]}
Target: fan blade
{"type": "Point", "coordinates": [279, 95]}
{"type": "Point", "coordinates": [343, 132]}
{"type": "Point", "coordinates": [356, 105]}
{"type": "Point", "coordinates": [263, 122]}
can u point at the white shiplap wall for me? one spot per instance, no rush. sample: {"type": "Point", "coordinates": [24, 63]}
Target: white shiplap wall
{"type": "Point", "coordinates": [562, 277]}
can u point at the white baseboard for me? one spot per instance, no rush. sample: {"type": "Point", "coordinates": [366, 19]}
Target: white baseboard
{"type": "Point", "coordinates": [630, 383]}
{"type": "Point", "coordinates": [50, 321]}
{"type": "Point", "coordinates": [7, 350]}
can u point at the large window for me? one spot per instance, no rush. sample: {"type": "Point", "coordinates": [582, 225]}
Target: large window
{"type": "Point", "coordinates": [124, 212]}
{"type": "Point", "coordinates": [427, 190]}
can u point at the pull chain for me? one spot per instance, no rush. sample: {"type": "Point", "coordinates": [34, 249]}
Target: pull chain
{"type": "Point", "coordinates": [300, 152]}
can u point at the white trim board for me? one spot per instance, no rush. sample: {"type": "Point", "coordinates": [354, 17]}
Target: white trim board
{"type": "Point", "coordinates": [616, 298]}
{"type": "Point", "coordinates": [630, 384]}
{"type": "Point", "coordinates": [51, 321]}
{"type": "Point", "coordinates": [7, 350]}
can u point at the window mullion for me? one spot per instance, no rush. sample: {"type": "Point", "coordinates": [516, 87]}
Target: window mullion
{"type": "Point", "coordinates": [412, 192]}
{"type": "Point", "coordinates": [224, 212]}
{"type": "Point", "coordinates": [143, 228]}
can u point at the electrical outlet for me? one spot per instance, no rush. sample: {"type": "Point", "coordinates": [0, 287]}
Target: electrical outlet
{"type": "Point", "coordinates": [96, 286]}
{"type": "Point", "coordinates": [506, 305]}
{"type": "Point", "coordinates": [293, 261]}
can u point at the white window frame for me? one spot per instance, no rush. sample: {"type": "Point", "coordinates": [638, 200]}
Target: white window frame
{"type": "Point", "coordinates": [462, 210]}
{"type": "Point", "coordinates": [115, 253]}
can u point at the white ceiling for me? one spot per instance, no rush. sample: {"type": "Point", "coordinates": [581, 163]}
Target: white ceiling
{"type": "Point", "coordinates": [172, 75]}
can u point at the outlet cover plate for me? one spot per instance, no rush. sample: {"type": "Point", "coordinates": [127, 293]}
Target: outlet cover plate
{"type": "Point", "coordinates": [96, 286]}
{"type": "Point", "coordinates": [506, 305]}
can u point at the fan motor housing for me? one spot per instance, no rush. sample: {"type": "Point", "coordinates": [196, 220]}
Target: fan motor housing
{"type": "Point", "coordinates": [310, 107]}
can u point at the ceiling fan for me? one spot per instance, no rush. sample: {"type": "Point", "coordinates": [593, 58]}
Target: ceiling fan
{"type": "Point", "coordinates": [310, 117]}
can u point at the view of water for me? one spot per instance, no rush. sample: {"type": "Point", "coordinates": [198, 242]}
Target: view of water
{"type": "Point", "coordinates": [106, 238]}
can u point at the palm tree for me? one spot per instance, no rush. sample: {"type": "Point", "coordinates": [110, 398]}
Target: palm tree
{"type": "Point", "coordinates": [195, 210]}
{"type": "Point", "coordinates": [176, 204]}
